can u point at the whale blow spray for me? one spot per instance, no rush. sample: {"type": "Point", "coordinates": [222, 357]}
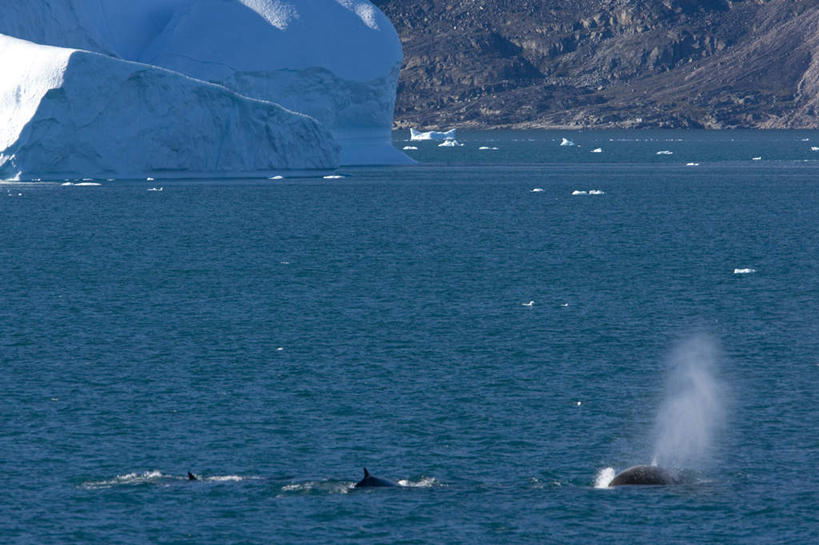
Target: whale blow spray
{"type": "Point", "coordinates": [693, 412]}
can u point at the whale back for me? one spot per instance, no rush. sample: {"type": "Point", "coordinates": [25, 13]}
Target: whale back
{"type": "Point", "coordinates": [370, 482]}
{"type": "Point", "coordinates": [644, 475]}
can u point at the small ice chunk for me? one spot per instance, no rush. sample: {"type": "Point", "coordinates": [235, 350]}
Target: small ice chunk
{"type": "Point", "coordinates": [333, 177]}
{"type": "Point", "coordinates": [149, 179]}
{"type": "Point", "coordinates": [692, 164]}
{"type": "Point", "coordinates": [566, 142]}
{"type": "Point", "coordinates": [756, 158]}
{"type": "Point", "coordinates": [450, 144]}
{"type": "Point", "coordinates": [410, 148]}
{"type": "Point", "coordinates": [579, 192]}
{"type": "Point", "coordinates": [597, 150]}
{"type": "Point", "coordinates": [488, 148]}
{"type": "Point", "coordinates": [155, 188]}
{"type": "Point", "coordinates": [814, 148]}
{"type": "Point", "coordinates": [665, 152]}
{"type": "Point", "coordinates": [596, 192]}
{"type": "Point", "coordinates": [537, 190]}
{"type": "Point", "coordinates": [432, 135]}
{"type": "Point", "coordinates": [529, 304]}
{"type": "Point", "coordinates": [744, 271]}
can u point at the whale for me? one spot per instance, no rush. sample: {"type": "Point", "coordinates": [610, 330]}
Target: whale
{"type": "Point", "coordinates": [371, 482]}
{"type": "Point", "coordinates": [192, 477]}
{"type": "Point", "coordinates": [644, 475]}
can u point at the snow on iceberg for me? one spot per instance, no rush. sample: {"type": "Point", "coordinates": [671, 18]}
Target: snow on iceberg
{"type": "Point", "coordinates": [74, 113]}
{"type": "Point", "coordinates": [334, 60]}
{"type": "Point", "coordinates": [432, 135]}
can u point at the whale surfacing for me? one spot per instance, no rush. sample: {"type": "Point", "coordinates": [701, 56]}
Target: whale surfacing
{"type": "Point", "coordinates": [370, 482]}
{"type": "Point", "coordinates": [644, 475]}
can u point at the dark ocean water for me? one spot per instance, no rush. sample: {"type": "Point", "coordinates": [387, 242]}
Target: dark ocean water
{"type": "Point", "coordinates": [273, 337]}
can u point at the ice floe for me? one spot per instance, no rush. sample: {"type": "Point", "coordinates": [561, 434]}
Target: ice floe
{"type": "Point", "coordinates": [537, 190]}
{"type": "Point", "coordinates": [410, 148]}
{"type": "Point", "coordinates": [665, 152]}
{"type": "Point", "coordinates": [432, 135]}
{"type": "Point", "coordinates": [597, 150]}
{"type": "Point", "coordinates": [744, 271]}
{"type": "Point", "coordinates": [565, 142]}
{"type": "Point", "coordinates": [589, 192]}
{"type": "Point", "coordinates": [488, 148]}
{"type": "Point", "coordinates": [450, 144]}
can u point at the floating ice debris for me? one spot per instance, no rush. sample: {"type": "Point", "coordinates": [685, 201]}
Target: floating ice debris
{"type": "Point", "coordinates": [410, 148]}
{"type": "Point", "coordinates": [88, 184]}
{"type": "Point", "coordinates": [597, 150]}
{"type": "Point", "coordinates": [529, 304]}
{"type": "Point", "coordinates": [692, 164]}
{"type": "Point", "coordinates": [566, 142]}
{"type": "Point", "coordinates": [537, 190]}
{"type": "Point", "coordinates": [149, 179]}
{"type": "Point", "coordinates": [277, 177]}
{"type": "Point", "coordinates": [488, 148]}
{"type": "Point", "coordinates": [156, 188]}
{"type": "Point", "coordinates": [333, 177]}
{"type": "Point", "coordinates": [450, 144]}
{"type": "Point", "coordinates": [565, 305]}
{"type": "Point", "coordinates": [432, 135]}
{"type": "Point", "coordinates": [814, 148]}
{"type": "Point", "coordinates": [579, 403]}
{"type": "Point", "coordinates": [589, 192]}
{"type": "Point", "coordinates": [756, 158]}
{"type": "Point", "coordinates": [280, 349]}
{"type": "Point", "coordinates": [67, 183]}
{"type": "Point", "coordinates": [744, 271]}
{"type": "Point", "coordinates": [87, 179]}
{"type": "Point", "coordinates": [665, 152]}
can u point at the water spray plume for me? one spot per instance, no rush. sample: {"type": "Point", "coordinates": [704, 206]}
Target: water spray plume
{"type": "Point", "coordinates": [693, 412]}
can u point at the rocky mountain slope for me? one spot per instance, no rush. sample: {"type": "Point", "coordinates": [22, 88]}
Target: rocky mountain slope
{"type": "Point", "coordinates": [608, 63]}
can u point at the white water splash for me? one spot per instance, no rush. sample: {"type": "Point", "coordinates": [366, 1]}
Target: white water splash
{"type": "Point", "coordinates": [134, 478]}
{"type": "Point", "coordinates": [424, 482]}
{"type": "Point", "coordinates": [694, 410]}
{"type": "Point", "coordinates": [604, 477]}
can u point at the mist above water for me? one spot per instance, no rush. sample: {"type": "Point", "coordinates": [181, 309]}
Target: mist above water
{"type": "Point", "coordinates": [693, 413]}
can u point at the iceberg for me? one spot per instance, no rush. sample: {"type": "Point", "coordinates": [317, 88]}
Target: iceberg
{"type": "Point", "coordinates": [66, 120]}
{"type": "Point", "coordinates": [218, 87]}
{"type": "Point", "coordinates": [565, 142]}
{"type": "Point", "coordinates": [432, 135]}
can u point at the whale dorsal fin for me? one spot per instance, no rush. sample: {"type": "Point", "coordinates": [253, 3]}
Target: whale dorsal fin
{"type": "Point", "coordinates": [192, 477]}
{"type": "Point", "coordinates": [366, 473]}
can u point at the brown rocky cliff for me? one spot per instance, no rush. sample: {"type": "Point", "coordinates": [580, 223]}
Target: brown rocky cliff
{"type": "Point", "coordinates": [608, 63]}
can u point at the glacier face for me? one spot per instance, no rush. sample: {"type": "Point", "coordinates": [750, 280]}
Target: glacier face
{"type": "Point", "coordinates": [335, 60]}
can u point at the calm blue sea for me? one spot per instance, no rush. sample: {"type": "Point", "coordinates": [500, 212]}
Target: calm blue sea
{"type": "Point", "coordinates": [275, 336]}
